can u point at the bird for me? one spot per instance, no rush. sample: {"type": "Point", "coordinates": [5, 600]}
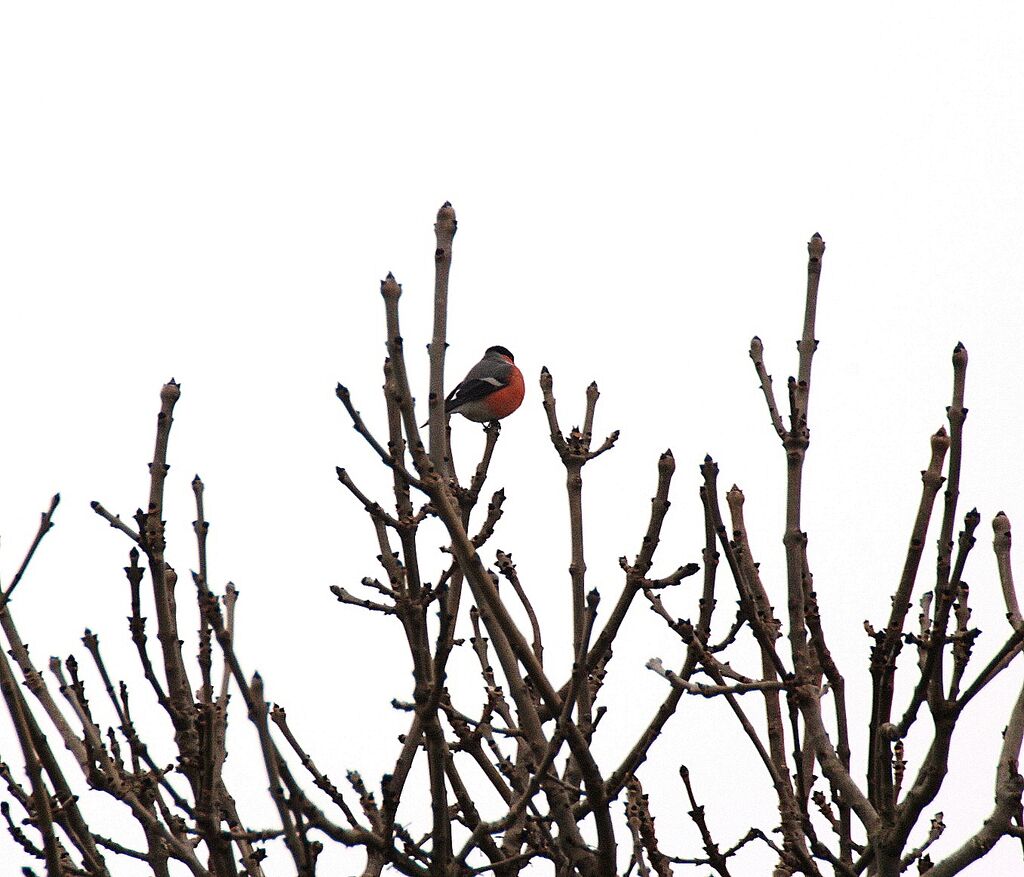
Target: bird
{"type": "Point", "coordinates": [491, 390]}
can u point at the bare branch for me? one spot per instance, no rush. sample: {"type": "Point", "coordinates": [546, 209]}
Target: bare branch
{"type": "Point", "coordinates": [45, 525]}
{"type": "Point", "coordinates": [1001, 545]}
{"type": "Point", "coordinates": [757, 355]}
{"type": "Point", "coordinates": [444, 231]}
{"type": "Point", "coordinates": [116, 522]}
{"type": "Point", "coordinates": [703, 690]}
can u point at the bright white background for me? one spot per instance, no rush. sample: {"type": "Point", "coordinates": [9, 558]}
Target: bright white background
{"type": "Point", "coordinates": [214, 193]}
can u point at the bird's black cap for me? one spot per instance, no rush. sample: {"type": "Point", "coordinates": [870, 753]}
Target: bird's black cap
{"type": "Point", "coordinates": [503, 351]}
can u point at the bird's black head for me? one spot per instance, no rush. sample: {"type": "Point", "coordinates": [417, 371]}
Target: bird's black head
{"type": "Point", "coordinates": [501, 351]}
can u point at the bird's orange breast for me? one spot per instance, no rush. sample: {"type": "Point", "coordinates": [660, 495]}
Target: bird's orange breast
{"type": "Point", "coordinates": [506, 400]}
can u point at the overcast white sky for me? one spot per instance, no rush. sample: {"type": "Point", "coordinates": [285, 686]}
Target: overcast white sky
{"type": "Point", "coordinates": [214, 192]}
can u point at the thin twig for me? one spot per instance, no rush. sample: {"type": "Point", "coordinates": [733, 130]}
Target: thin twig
{"type": "Point", "coordinates": [45, 525]}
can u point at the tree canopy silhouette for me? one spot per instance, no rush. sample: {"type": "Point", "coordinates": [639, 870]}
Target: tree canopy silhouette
{"type": "Point", "coordinates": [512, 775]}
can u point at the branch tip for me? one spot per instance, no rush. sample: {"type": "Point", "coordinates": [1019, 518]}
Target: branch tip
{"type": "Point", "coordinates": [940, 441]}
{"type": "Point", "coordinates": [445, 229]}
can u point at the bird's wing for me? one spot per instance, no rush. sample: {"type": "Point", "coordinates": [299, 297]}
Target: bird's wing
{"type": "Point", "coordinates": [483, 379]}
{"type": "Point", "coordinates": [471, 390]}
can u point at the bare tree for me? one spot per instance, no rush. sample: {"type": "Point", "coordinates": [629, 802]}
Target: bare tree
{"type": "Point", "coordinates": [525, 737]}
